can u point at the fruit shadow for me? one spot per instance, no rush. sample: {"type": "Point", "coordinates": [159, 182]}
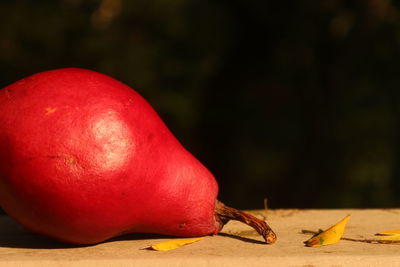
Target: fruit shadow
{"type": "Point", "coordinates": [28, 240]}
{"type": "Point", "coordinates": [12, 235]}
{"type": "Point", "coordinates": [244, 239]}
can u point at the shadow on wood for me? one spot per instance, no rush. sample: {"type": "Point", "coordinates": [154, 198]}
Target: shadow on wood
{"type": "Point", "coordinates": [13, 235]}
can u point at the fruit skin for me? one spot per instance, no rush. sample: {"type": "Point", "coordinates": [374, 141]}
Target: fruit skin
{"type": "Point", "coordinates": [83, 158]}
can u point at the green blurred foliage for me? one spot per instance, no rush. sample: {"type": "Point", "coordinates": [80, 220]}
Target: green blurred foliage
{"type": "Point", "coordinates": [294, 102]}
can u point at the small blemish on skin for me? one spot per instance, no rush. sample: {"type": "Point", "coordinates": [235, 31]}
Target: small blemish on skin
{"type": "Point", "coordinates": [8, 93]}
{"type": "Point", "coordinates": [182, 225]}
{"type": "Point", "coordinates": [71, 160]}
{"type": "Point", "coordinates": [150, 137]}
{"type": "Point", "coordinates": [54, 157]}
{"type": "Point", "coordinates": [130, 101]}
{"type": "Point", "coordinates": [50, 110]}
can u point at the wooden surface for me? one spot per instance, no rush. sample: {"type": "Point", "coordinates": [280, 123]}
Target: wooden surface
{"type": "Point", "coordinates": [237, 245]}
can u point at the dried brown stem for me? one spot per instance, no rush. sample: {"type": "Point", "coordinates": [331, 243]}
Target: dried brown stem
{"type": "Point", "coordinates": [224, 214]}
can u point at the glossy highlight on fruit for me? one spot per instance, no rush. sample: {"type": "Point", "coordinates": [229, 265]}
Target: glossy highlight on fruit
{"type": "Point", "coordinates": [83, 158]}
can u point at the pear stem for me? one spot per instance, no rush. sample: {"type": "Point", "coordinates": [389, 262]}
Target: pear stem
{"type": "Point", "coordinates": [224, 214]}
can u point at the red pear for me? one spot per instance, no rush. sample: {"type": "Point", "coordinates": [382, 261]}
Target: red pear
{"type": "Point", "coordinates": [84, 158]}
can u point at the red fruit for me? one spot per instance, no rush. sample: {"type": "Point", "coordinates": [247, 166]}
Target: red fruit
{"type": "Point", "coordinates": [84, 158]}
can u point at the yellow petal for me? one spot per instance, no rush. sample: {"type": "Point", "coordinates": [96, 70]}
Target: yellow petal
{"type": "Point", "coordinates": [392, 232]}
{"type": "Point", "coordinates": [173, 244]}
{"type": "Point", "coordinates": [329, 236]}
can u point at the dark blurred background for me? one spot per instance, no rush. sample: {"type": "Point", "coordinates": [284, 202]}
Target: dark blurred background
{"type": "Point", "coordinates": [294, 102]}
